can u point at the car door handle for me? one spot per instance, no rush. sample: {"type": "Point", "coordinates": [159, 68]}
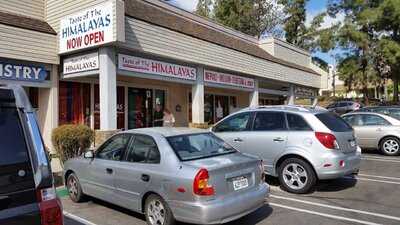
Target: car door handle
{"type": "Point", "coordinates": [379, 129]}
{"type": "Point", "coordinates": [238, 140]}
{"type": "Point", "coordinates": [278, 139]}
{"type": "Point", "coordinates": [109, 171]}
{"type": "Point", "coordinates": [145, 178]}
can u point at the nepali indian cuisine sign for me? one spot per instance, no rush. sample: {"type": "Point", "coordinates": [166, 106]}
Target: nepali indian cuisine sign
{"type": "Point", "coordinates": [142, 65]}
{"type": "Point", "coordinates": [81, 63]}
{"type": "Point", "coordinates": [21, 72]}
{"type": "Point", "coordinates": [87, 28]}
{"type": "Point", "coordinates": [228, 79]}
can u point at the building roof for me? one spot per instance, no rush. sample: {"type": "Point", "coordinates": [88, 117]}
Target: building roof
{"type": "Point", "coordinates": [160, 14]}
{"type": "Point", "coordinates": [25, 22]}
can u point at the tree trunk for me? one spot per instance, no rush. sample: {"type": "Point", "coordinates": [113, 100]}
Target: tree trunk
{"type": "Point", "coordinates": [395, 89]}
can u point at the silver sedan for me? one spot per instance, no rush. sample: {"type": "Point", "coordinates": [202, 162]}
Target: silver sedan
{"type": "Point", "coordinates": [170, 174]}
{"type": "Point", "coordinates": [375, 130]}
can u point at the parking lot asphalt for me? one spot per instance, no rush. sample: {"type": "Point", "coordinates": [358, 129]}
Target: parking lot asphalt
{"type": "Point", "coordinates": [372, 197]}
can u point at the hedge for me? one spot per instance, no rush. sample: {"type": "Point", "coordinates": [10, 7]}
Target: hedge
{"type": "Point", "coordinates": [71, 140]}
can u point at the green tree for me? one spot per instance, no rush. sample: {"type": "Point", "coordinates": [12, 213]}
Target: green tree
{"type": "Point", "coordinates": [203, 8]}
{"type": "Point", "coordinates": [253, 17]}
{"type": "Point", "coordinates": [294, 24]}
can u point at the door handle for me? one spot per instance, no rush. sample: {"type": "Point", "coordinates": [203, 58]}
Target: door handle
{"type": "Point", "coordinates": [145, 178]}
{"type": "Point", "coordinates": [278, 139]}
{"type": "Point", "coordinates": [379, 129]}
{"type": "Point", "coordinates": [109, 171]}
{"type": "Point", "coordinates": [238, 140]}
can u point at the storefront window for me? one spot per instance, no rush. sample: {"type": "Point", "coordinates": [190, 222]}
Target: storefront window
{"type": "Point", "coordinates": [120, 107]}
{"type": "Point", "coordinates": [216, 107]}
{"type": "Point", "coordinates": [74, 103]}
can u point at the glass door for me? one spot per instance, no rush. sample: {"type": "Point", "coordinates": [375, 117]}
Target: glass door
{"type": "Point", "coordinates": [140, 108]}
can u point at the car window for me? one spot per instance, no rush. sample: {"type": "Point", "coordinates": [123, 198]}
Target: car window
{"type": "Point", "coordinates": [297, 123]}
{"type": "Point", "coordinates": [353, 120]}
{"type": "Point", "coordinates": [343, 104]}
{"type": "Point", "coordinates": [334, 122]}
{"type": "Point", "coordinates": [394, 113]}
{"type": "Point", "coordinates": [269, 121]}
{"type": "Point", "coordinates": [114, 148]}
{"type": "Point", "coordinates": [12, 142]}
{"type": "Point", "coordinates": [195, 146]}
{"type": "Point", "coordinates": [143, 150]}
{"type": "Point", "coordinates": [373, 120]}
{"type": "Point", "coordinates": [237, 122]}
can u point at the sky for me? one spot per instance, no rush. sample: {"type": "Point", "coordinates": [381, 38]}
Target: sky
{"type": "Point", "coordinates": [314, 7]}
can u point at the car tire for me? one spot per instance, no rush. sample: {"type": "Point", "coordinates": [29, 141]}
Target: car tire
{"type": "Point", "coordinates": [390, 146]}
{"type": "Point", "coordinates": [296, 176]}
{"type": "Point", "coordinates": [157, 211]}
{"type": "Point", "coordinates": [74, 188]}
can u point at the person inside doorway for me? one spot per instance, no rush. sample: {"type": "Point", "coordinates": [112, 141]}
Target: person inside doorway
{"type": "Point", "coordinates": [158, 116]}
{"type": "Point", "coordinates": [168, 119]}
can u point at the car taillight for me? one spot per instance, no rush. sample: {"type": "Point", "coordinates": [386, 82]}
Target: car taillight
{"type": "Point", "coordinates": [200, 184]}
{"type": "Point", "coordinates": [328, 140]}
{"type": "Point", "coordinates": [50, 207]}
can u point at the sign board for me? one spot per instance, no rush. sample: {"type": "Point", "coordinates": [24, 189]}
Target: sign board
{"type": "Point", "coordinates": [228, 79]}
{"type": "Point", "coordinates": [81, 63]}
{"type": "Point", "coordinates": [87, 28]}
{"type": "Point", "coordinates": [304, 92]}
{"type": "Point", "coordinates": [20, 72]}
{"type": "Point", "coordinates": [142, 65]}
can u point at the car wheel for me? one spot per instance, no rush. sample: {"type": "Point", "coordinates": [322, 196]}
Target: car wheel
{"type": "Point", "coordinates": [390, 146]}
{"type": "Point", "coordinates": [157, 211]}
{"type": "Point", "coordinates": [296, 176]}
{"type": "Point", "coordinates": [74, 188]}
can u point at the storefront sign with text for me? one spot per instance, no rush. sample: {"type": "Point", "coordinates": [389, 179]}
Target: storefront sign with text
{"type": "Point", "coordinates": [10, 71]}
{"type": "Point", "coordinates": [81, 63]}
{"type": "Point", "coordinates": [87, 28]}
{"type": "Point", "coordinates": [142, 65]}
{"type": "Point", "coordinates": [228, 79]}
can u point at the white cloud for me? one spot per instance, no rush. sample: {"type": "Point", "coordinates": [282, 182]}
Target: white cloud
{"type": "Point", "coordinates": [328, 21]}
{"type": "Point", "coordinates": [189, 5]}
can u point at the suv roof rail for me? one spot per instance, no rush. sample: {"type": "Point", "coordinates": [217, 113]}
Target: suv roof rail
{"type": "Point", "coordinates": [302, 108]}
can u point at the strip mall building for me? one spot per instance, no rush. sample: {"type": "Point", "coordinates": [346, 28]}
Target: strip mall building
{"type": "Point", "coordinates": [108, 64]}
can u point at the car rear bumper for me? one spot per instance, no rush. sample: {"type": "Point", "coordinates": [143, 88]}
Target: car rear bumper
{"type": "Point", "coordinates": [351, 165]}
{"type": "Point", "coordinates": [220, 211]}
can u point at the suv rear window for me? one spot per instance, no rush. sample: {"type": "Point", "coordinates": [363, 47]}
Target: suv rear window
{"type": "Point", "coordinates": [12, 141]}
{"type": "Point", "coordinates": [334, 122]}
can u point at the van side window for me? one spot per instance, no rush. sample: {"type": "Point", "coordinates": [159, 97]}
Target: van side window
{"type": "Point", "coordinates": [270, 121]}
{"type": "Point", "coordinates": [297, 123]}
{"type": "Point", "coordinates": [239, 122]}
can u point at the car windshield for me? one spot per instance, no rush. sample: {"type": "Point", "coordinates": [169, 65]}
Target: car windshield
{"type": "Point", "coordinates": [334, 122]}
{"type": "Point", "coordinates": [196, 146]}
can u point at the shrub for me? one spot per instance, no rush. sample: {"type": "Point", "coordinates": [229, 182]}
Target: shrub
{"type": "Point", "coordinates": [71, 140]}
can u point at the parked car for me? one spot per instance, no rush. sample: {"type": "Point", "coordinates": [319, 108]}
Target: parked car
{"type": "Point", "coordinates": [376, 131]}
{"type": "Point", "coordinates": [170, 174]}
{"type": "Point", "coordinates": [393, 111]}
{"type": "Point", "coordinates": [27, 194]}
{"type": "Point", "coordinates": [299, 145]}
{"type": "Point", "coordinates": [342, 107]}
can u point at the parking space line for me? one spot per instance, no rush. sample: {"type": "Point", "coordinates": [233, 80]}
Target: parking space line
{"type": "Point", "coordinates": [337, 207]}
{"type": "Point", "coordinates": [380, 160]}
{"type": "Point", "coordinates": [375, 176]}
{"type": "Point", "coordinates": [77, 218]}
{"type": "Point", "coordinates": [325, 214]}
{"type": "Point", "coordinates": [381, 157]}
{"type": "Point", "coordinates": [374, 180]}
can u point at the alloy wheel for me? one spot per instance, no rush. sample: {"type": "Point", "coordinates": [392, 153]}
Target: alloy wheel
{"type": "Point", "coordinates": [72, 187]}
{"type": "Point", "coordinates": [156, 212]}
{"type": "Point", "coordinates": [295, 176]}
{"type": "Point", "coordinates": [391, 146]}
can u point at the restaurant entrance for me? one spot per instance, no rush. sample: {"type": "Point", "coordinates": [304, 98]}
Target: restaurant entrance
{"type": "Point", "coordinates": [145, 107]}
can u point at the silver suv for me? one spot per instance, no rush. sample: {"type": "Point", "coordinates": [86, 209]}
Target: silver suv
{"type": "Point", "coordinates": [299, 145]}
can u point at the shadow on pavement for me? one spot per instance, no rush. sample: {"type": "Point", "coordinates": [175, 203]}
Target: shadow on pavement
{"type": "Point", "coordinates": [118, 208]}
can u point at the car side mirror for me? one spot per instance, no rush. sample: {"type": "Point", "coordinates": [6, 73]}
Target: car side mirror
{"type": "Point", "coordinates": [88, 154]}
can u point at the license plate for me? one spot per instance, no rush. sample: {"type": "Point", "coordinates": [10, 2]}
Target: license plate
{"type": "Point", "coordinates": [240, 183]}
